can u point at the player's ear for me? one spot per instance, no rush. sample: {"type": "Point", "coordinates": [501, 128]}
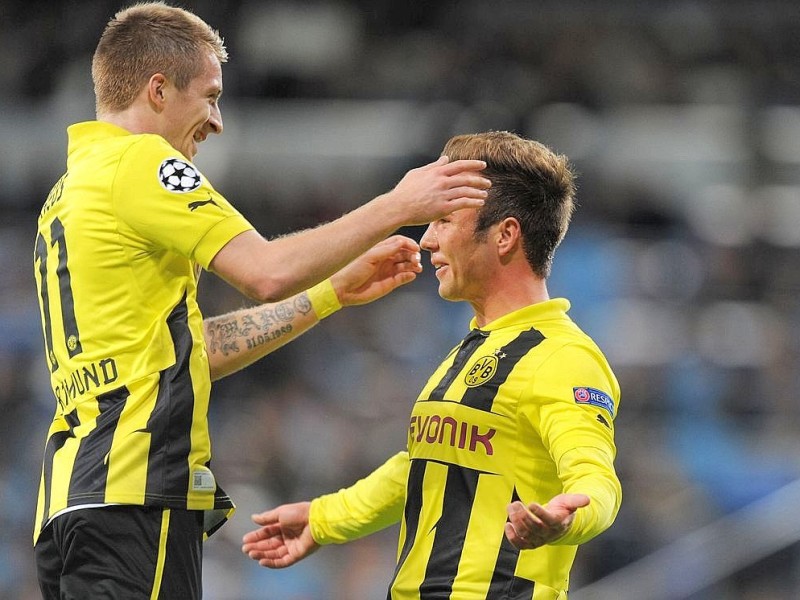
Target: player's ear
{"type": "Point", "coordinates": [156, 91]}
{"type": "Point", "coordinates": [509, 235]}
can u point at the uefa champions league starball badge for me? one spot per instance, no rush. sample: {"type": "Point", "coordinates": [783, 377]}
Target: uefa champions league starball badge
{"type": "Point", "coordinates": [176, 175]}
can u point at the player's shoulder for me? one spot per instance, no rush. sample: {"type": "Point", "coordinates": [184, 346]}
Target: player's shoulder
{"type": "Point", "coordinates": [574, 349]}
{"type": "Point", "coordinates": [150, 161]}
{"type": "Point", "coordinates": [149, 148]}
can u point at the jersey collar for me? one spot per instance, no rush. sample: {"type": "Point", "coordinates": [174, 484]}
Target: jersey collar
{"type": "Point", "coordinates": [555, 308]}
{"type": "Point", "coordinates": [91, 131]}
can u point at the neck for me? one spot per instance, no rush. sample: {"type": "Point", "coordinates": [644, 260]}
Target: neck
{"type": "Point", "coordinates": [123, 120]}
{"type": "Point", "coordinates": [137, 118]}
{"type": "Point", "coordinates": [506, 297]}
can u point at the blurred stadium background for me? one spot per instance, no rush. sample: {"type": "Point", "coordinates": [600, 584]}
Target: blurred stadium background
{"type": "Point", "coordinates": [683, 119]}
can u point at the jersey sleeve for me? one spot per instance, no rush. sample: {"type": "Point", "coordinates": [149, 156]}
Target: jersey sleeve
{"type": "Point", "coordinates": [578, 402]}
{"type": "Point", "coordinates": [164, 199]}
{"type": "Point", "coordinates": [367, 506]}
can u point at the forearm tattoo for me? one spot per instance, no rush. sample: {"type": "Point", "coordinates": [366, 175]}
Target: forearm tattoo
{"type": "Point", "coordinates": [255, 327]}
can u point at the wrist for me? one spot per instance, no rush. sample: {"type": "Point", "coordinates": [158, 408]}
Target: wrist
{"type": "Point", "coordinates": [314, 526]}
{"type": "Point", "coordinates": [323, 299]}
{"type": "Point", "coordinates": [388, 207]}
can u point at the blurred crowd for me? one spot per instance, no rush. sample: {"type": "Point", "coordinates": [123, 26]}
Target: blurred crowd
{"type": "Point", "coordinates": [683, 261]}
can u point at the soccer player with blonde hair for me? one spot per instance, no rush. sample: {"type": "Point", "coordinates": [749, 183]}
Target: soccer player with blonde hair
{"type": "Point", "coordinates": [127, 493]}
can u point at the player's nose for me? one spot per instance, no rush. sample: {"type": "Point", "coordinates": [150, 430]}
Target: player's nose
{"type": "Point", "coordinates": [215, 120]}
{"type": "Point", "coordinates": [428, 239]}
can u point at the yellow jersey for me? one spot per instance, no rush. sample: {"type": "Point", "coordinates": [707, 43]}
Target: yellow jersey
{"type": "Point", "coordinates": [522, 409]}
{"type": "Point", "coordinates": [121, 240]}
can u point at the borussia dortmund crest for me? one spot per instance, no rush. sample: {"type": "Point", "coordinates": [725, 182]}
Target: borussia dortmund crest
{"type": "Point", "coordinates": [482, 371]}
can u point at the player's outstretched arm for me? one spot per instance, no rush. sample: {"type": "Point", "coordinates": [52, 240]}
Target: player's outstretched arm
{"type": "Point", "coordinates": [283, 537]}
{"type": "Point", "coordinates": [535, 525]}
{"type": "Point", "coordinates": [238, 339]}
{"type": "Point", "coordinates": [268, 271]}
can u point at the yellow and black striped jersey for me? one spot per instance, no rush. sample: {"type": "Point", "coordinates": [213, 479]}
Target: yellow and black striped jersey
{"type": "Point", "coordinates": [522, 408]}
{"type": "Point", "coordinates": [120, 242]}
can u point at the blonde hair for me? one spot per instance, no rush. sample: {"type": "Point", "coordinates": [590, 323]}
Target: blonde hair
{"type": "Point", "coordinates": [530, 182]}
{"type": "Point", "coordinates": [145, 39]}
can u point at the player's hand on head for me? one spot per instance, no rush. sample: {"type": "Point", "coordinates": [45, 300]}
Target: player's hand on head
{"type": "Point", "coordinates": [283, 538]}
{"type": "Point", "coordinates": [434, 190]}
{"type": "Point", "coordinates": [386, 266]}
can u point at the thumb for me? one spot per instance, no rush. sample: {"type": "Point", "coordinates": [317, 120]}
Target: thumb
{"type": "Point", "coordinates": [580, 500]}
{"type": "Point", "coordinates": [573, 502]}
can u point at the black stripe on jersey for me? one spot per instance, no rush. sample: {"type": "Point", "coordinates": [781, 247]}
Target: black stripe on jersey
{"type": "Point", "coordinates": [71, 333]}
{"type": "Point", "coordinates": [468, 345]}
{"type": "Point", "coordinates": [170, 423]}
{"type": "Point", "coordinates": [90, 471]}
{"type": "Point", "coordinates": [482, 397]}
{"type": "Point", "coordinates": [54, 444]}
{"type": "Point", "coordinates": [412, 510]}
{"type": "Point", "coordinates": [503, 585]}
{"type": "Point", "coordinates": [521, 589]}
{"type": "Point", "coordinates": [451, 530]}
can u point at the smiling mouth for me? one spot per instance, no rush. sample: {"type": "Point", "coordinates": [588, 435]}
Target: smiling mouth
{"type": "Point", "coordinates": [439, 269]}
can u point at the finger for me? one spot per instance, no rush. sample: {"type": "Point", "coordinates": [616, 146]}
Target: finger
{"type": "Point", "coordinates": [254, 551]}
{"type": "Point", "coordinates": [281, 563]}
{"type": "Point", "coordinates": [265, 518]}
{"type": "Point", "coordinates": [403, 270]}
{"type": "Point", "coordinates": [576, 501]}
{"type": "Point", "coordinates": [398, 248]}
{"type": "Point", "coordinates": [559, 508]}
{"type": "Point", "coordinates": [470, 195]}
{"type": "Point", "coordinates": [404, 278]}
{"type": "Point", "coordinates": [516, 540]}
{"type": "Point", "coordinates": [257, 553]}
{"type": "Point", "coordinates": [258, 534]}
{"type": "Point", "coordinates": [261, 535]}
{"type": "Point", "coordinates": [411, 266]}
{"type": "Point", "coordinates": [274, 562]}
{"type": "Point", "coordinates": [403, 240]}
{"type": "Point", "coordinates": [517, 511]}
{"type": "Point", "coordinates": [548, 518]}
{"type": "Point", "coordinates": [269, 543]}
{"type": "Point", "coordinates": [439, 162]}
{"type": "Point", "coordinates": [522, 519]}
{"type": "Point", "coordinates": [408, 257]}
{"type": "Point", "coordinates": [458, 166]}
{"type": "Point", "coordinates": [468, 179]}
{"type": "Point", "coordinates": [252, 536]}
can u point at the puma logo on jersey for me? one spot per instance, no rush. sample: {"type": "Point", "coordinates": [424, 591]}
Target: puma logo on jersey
{"type": "Point", "coordinates": [198, 203]}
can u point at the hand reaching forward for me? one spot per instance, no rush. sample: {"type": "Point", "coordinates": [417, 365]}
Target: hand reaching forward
{"type": "Point", "coordinates": [284, 537]}
{"type": "Point", "coordinates": [386, 266]}
{"type": "Point", "coordinates": [536, 525]}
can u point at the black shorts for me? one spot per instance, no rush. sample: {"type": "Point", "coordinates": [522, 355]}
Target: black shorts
{"type": "Point", "coordinates": [122, 552]}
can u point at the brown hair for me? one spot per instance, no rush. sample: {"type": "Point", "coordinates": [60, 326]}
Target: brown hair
{"type": "Point", "coordinates": [529, 182]}
{"type": "Point", "coordinates": [145, 39]}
